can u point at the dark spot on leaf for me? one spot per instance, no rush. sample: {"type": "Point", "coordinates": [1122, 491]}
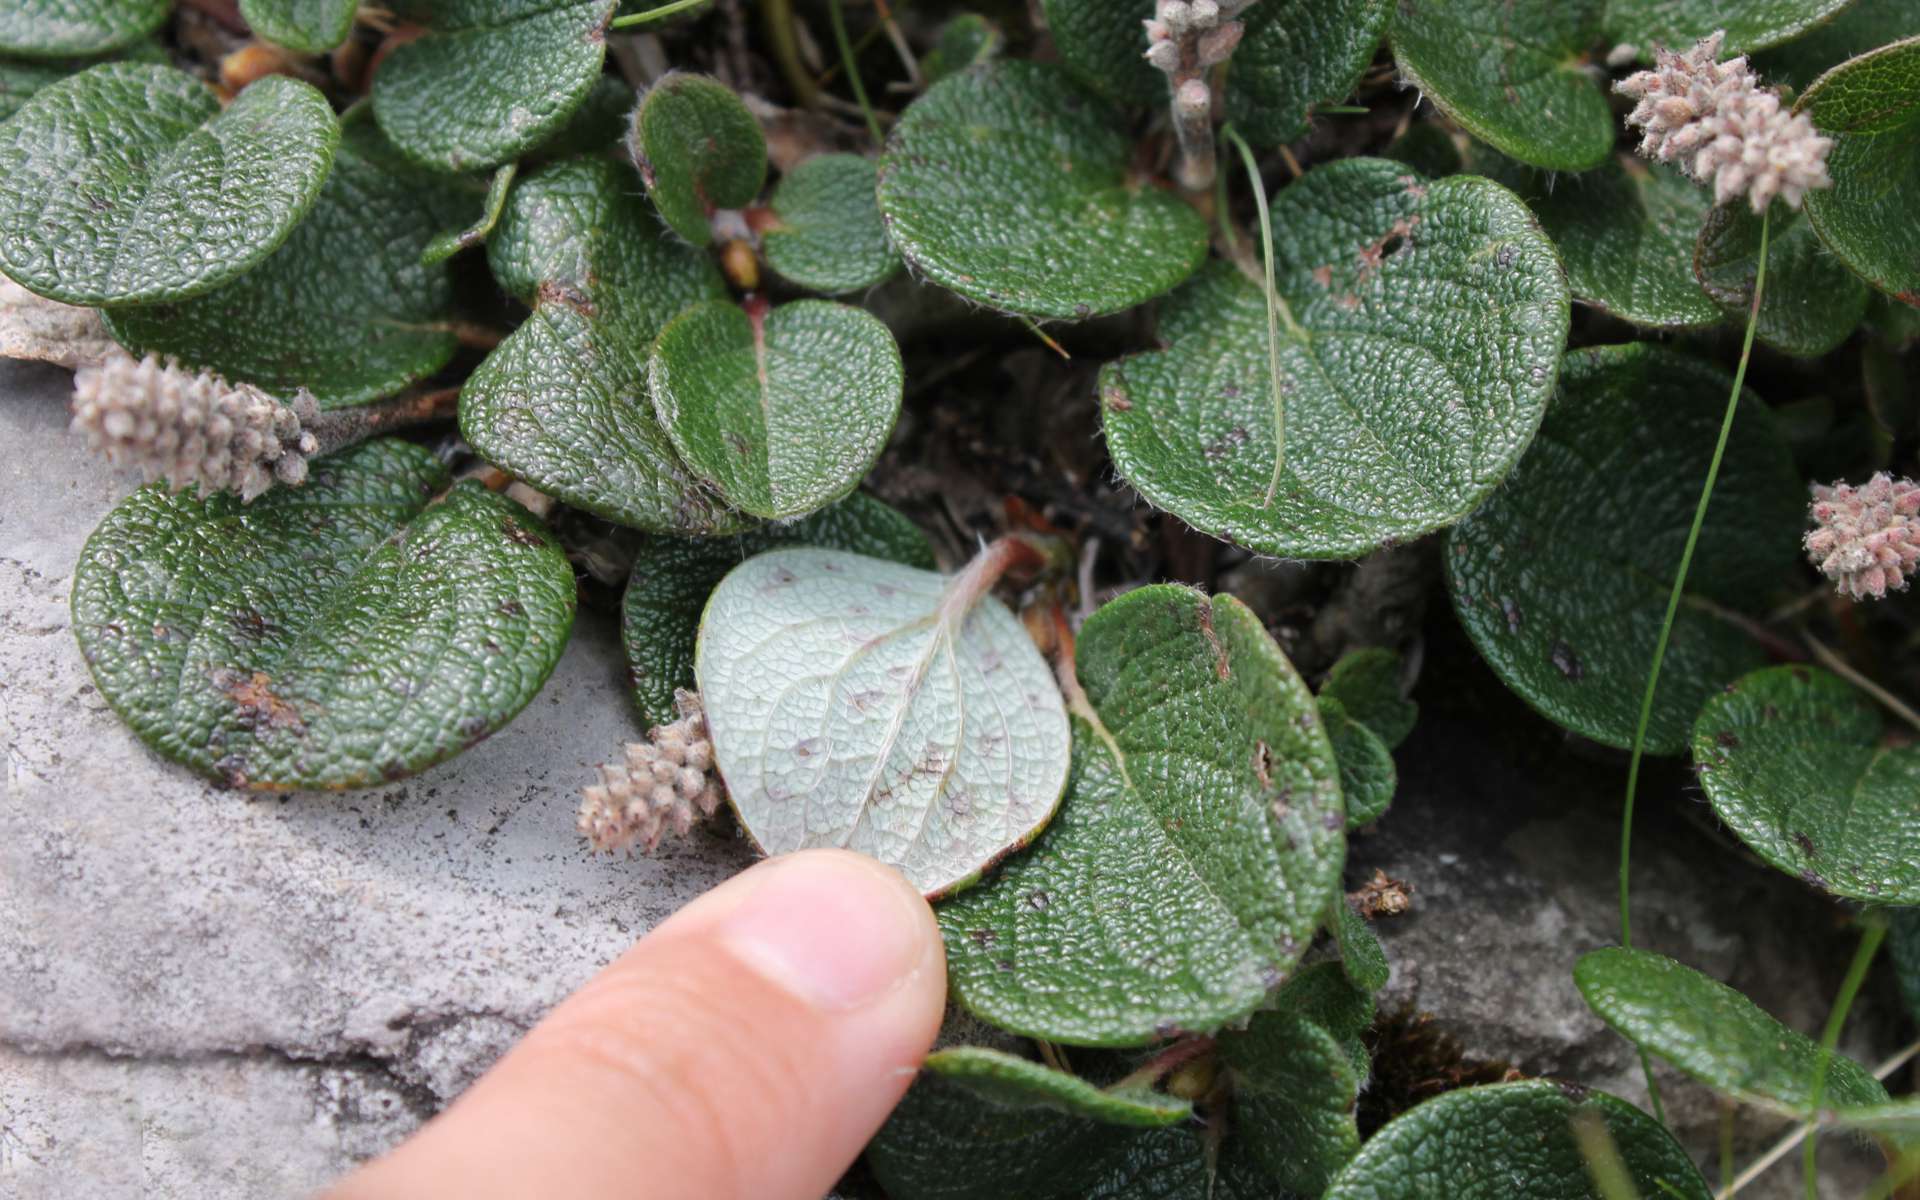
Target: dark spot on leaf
{"type": "Point", "coordinates": [512, 608]}
{"type": "Point", "coordinates": [553, 291]}
{"type": "Point", "coordinates": [1812, 879]}
{"type": "Point", "coordinates": [256, 705]}
{"type": "Point", "coordinates": [1271, 976]}
{"type": "Point", "coordinates": [1232, 440]}
{"type": "Point", "coordinates": [1576, 1092]}
{"type": "Point", "coordinates": [473, 726]}
{"type": "Point", "coordinates": [233, 770]}
{"type": "Point", "coordinates": [1262, 764]}
{"type": "Point", "coordinates": [983, 938]}
{"type": "Point", "coordinates": [248, 623]}
{"type": "Point", "coordinates": [1081, 310]}
{"type": "Point", "coordinates": [394, 769]}
{"type": "Point", "coordinates": [518, 533]}
{"type": "Point", "coordinates": [1567, 662]}
{"type": "Point", "coordinates": [1769, 712]}
{"type": "Point", "coordinates": [1806, 845]}
{"type": "Point", "coordinates": [1038, 900]}
{"type": "Point", "coordinates": [1005, 964]}
{"type": "Point", "coordinates": [1220, 667]}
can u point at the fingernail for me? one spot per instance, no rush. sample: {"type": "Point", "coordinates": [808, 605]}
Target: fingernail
{"type": "Point", "coordinates": [835, 930]}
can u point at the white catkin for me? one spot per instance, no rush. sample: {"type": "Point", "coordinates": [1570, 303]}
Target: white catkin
{"type": "Point", "coordinates": [1867, 538]}
{"type": "Point", "coordinates": [660, 786]}
{"type": "Point", "coordinates": [192, 429]}
{"type": "Point", "coordinates": [1715, 121]}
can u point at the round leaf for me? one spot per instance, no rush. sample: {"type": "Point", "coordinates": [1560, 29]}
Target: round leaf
{"type": "Point", "coordinates": [1012, 186]}
{"type": "Point", "coordinates": [860, 703]}
{"type": "Point", "coordinates": [309, 26]}
{"type": "Point", "coordinates": [342, 308]}
{"type": "Point", "coordinates": [1422, 328]}
{"type": "Point", "coordinates": [1016, 1082]}
{"type": "Point", "coordinates": [1792, 761]}
{"type": "Point", "coordinates": [1367, 774]}
{"type": "Point", "coordinates": [829, 237]}
{"type": "Point", "coordinates": [1296, 54]}
{"type": "Point", "coordinates": [1510, 74]}
{"type": "Point", "coordinates": [698, 149]}
{"type": "Point", "coordinates": [491, 79]}
{"type": "Point", "coordinates": [129, 184]}
{"type": "Point", "coordinates": [782, 410]}
{"type": "Point", "coordinates": [967, 39]}
{"type": "Point", "coordinates": [1102, 43]}
{"type": "Point", "coordinates": [672, 578]}
{"type": "Point", "coordinates": [1561, 579]}
{"type": "Point", "coordinates": [1481, 1143]}
{"type": "Point", "coordinates": [1748, 24]}
{"type": "Point", "coordinates": [1367, 683]}
{"type": "Point", "coordinates": [20, 78]}
{"type": "Point", "coordinates": [335, 635]}
{"type": "Point", "coordinates": [1194, 857]}
{"type": "Point", "coordinates": [1714, 1033]}
{"type": "Point", "coordinates": [1294, 1092]}
{"type": "Point", "coordinates": [1870, 107]}
{"type": "Point", "coordinates": [1812, 302]}
{"type": "Point", "coordinates": [563, 403]}
{"type": "Point", "coordinates": [59, 28]}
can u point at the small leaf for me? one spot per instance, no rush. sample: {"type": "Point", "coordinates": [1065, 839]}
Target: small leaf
{"type": "Point", "coordinates": [1870, 107]}
{"type": "Point", "coordinates": [1367, 775]}
{"type": "Point", "coordinates": [340, 634]}
{"type": "Point", "coordinates": [672, 578]}
{"type": "Point", "coordinates": [1102, 43]}
{"type": "Point", "coordinates": [1812, 302]}
{"type": "Point", "coordinates": [1748, 24]}
{"type": "Point", "coordinates": [129, 184]}
{"type": "Point", "coordinates": [1367, 682]}
{"type": "Point", "coordinates": [490, 79]}
{"type": "Point", "coordinates": [309, 26]}
{"type": "Point", "coordinates": [699, 149]}
{"type": "Point", "coordinates": [1481, 1143]}
{"type": "Point", "coordinates": [964, 41]}
{"type": "Point", "coordinates": [1360, 952]}
{"type": "Point", "coordinates": [1561, 579]}
{"type": "Point", "coordinates": [1861, 26]}
{"type": "Point", "coordinates": [343, 308]}
{"type": "Point", "coordinates": [563, 402]}
{"type": "Point", "coordinates": [829, 237]}
{"type": "Point", "coordinates": [1296, 54]}
{"type": "Point", "coordinates": [1294, 1094]}
{"type": "Point", "coordinates": [1012, 186]}
{"type": "Point", "coordinates": [1510, 74]}
{"type": "Point", "coordinates": [860, 703]}
{"type": "Point", "coordinates": [1014, 1082]}
{"type": "Point", "coordinates": [1422, 326]}
{"type": "Point", "coordinates": [1325, 995]}
{"type": "Point", "coordinates": [1204, 802]}
{"type": "Point", "coordinates": [781, 411]}
{"type": "Point", "coordinates": [72, 28]}
{"type": "Point", "coordinates": [1714, 1033]}
{"type": "Point", "coordinates": [449, 242]}
{"type": "Point", "coordinates": [1792, 759]}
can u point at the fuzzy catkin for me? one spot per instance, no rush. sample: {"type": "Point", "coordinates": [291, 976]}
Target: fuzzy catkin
{"type": "Point", "coordinates": [193, 429]}
{"type": "Point", "coordinates": [1867, 538]}
{"type": "Point", "coordinates": [660, 786]}
{"type": "Point", "coordinates": [1715, 121]}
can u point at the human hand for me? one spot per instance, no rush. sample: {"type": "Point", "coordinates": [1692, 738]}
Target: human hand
{"type": "Point", "coordinates": [746, 1048]}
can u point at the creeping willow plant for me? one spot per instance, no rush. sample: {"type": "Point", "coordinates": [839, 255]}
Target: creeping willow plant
{"type": "Point", "coordinates": [426, 325]}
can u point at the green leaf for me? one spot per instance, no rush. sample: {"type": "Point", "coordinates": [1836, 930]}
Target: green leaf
{"type": "Point", "coordinates": [1626, 231]}
{"type": "Point", "coordinates": [1367, 682]}
{"type": "Point", "coordinates": [1102, 43]}
{"type": "Point", "coordinates": [343, 308]}
{"type": "Point", "coordinates": [1749, 24]}
{"type": "Point", "coordinates": [1367, 775]}
{"type": "Point", "coordinates": [1482, 1143]}
{"type": "Point", "coordinates": [1012, 186]}
{"type": "Point", "coordinates": [1861, 26]}
{"type": "Point", "coordinates": [340, 634]}
{"type": "Point", "coordinates": [1870, 107]}
{"type": "Point", "coordinates": [945, 1141]}
{"type": "Point", "coordinates": [20, 78]}
{"type": "Point", "coordinates": [449, 242]}
{"type": "Point", "coordinates": [1015, 1082]}
{"type": "Point", "coordinates": [1792, 759]}
{"type": "Point", "coordinates": [1812, 303]}
{"type": "Point", "coordinates": [1360, 952]}
{"type": "Point", "coordinates": [780, 410]}
{"type": "Point", "coordinates": [1714, 1033]}
{"type": "Point", "coordinates": [1511, 74]}
{"type": "Point", "coordinates": [1295, 54]}
{"type": "Point", "coordinates": [491, 79]}
{"type": "Point", "coordinates": [600, 123]}
{"type": "Point", "coordinates": [829, 237]}
{"type": "Point", "coordinates": [1422, 328]}
{"type": "Point", "coordinates": [966, 40]}
{"type": "Point", "coordinates": [1193, 859]}
{"type": "Point", "coordinates": [672, 578]}
{"type": "Point", "coordinates": [309, 26]}
{"type": "Point", "coordinates": [698, 149]}
{"type": "Point", "coordinates": [1561, 579]}
{"type": "Point", "coordinates": [563, 402]}
{"type": "Point", "coordinates": [856, 702]}
{"type": "Point", "coordinates": [1324, 994]}
{"type": "Point", "coordinates": [64, 28]}
{"type": "Point", "coordinates": [1294, 1093]}
{"type": "Point", "coordinates": [129, 184]}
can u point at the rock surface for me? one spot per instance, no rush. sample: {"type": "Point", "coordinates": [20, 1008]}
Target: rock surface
{"type": "Point", "coordinates": [205, 994]}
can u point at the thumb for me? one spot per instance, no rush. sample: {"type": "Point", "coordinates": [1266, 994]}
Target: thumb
{"type": "Point", "coordinates": [748, 1047]}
